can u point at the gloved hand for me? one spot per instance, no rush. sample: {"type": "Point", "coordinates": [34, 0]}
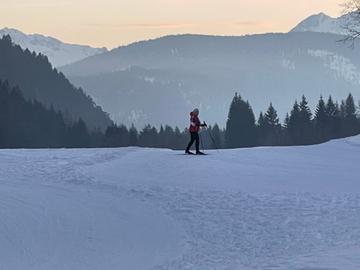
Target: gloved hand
{"type": "Point", "coordinates": [204, 124]}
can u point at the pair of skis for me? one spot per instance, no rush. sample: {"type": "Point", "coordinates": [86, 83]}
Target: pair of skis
{"type": "Point", "coordinates": [193, 154]}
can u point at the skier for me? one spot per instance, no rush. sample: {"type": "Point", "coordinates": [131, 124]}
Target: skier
{"type": "Point", "coordinates": [194, 129]}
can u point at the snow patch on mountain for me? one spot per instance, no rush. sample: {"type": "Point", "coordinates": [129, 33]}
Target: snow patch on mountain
{"type": "Point", "coordinates": [324, 24]}
{"type": "Point", "coordinates": [149, 79]}
{"type": "Point", "coordinates": [287, 64]}
{"type": "Point", "coordinates": [136, 114]}
{"type": "Point", "coordinates": [59, 53]}
{"type": "Point", "coordinates": [343, 67]}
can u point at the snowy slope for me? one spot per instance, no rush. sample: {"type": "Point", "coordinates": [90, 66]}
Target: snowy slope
{"type": "Point", "coordinates": [324, 24]}
{"type": "Point", "coordinates": [59, 53]}
{"type": "Point", "coordinates": [264, 208]}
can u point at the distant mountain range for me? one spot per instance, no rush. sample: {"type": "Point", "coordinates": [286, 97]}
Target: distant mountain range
{"type": "Point", "coordinates": [59, 53]}
{"type": "Point", "coordinates": [159, 81]}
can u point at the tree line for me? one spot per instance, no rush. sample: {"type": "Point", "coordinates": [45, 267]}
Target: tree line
{"type": "Point", "coordinates": [330, 120]}
{"type": "Point", "coordinates": [29, 124]}
{"type": "Point", "coordinates": [164, 137]}
{"type": "Point", "coordinates": [38, 80]}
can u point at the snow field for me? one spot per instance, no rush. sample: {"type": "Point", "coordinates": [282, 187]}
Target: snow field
{"type": "Point", "coordinates": [279, 208]}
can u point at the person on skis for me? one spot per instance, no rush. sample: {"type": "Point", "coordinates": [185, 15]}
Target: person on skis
{"type": "Point", "coordinates": [194, 129]}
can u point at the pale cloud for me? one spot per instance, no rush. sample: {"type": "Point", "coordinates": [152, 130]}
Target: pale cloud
{"type": "Point", "coordinates": [23, 4]}
{"type": "Point", "coordinates": [185, 25]}
{"type": "Point", "coordinates": [146, 25]}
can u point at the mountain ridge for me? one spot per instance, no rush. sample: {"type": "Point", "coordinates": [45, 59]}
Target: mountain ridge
{"type": "Point", "coordinates": [205, 71]}
{"type": "Point", "coordinates": [39, 81]}
{"type": "Point", "coordinates": [323, 23]}
{"type": "Point", "coordinates": [58, 52]}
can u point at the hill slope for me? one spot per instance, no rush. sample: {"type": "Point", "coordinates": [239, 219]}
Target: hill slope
{"type": "Point", "coordinates": [322, 23]}
{"type": "Point", "coordinates": [263, 208]}
{"type": "Point", "coordinates": [190, 71]}
{"type": "Point", "coordinates": [38, 80]}
{"type": "Point", "coordinates": [59, 53]}
{"type": "Point", "coordinates": [25, 124]}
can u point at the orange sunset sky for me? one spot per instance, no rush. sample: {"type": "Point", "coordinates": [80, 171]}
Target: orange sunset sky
{"type": "Point", "coordinates": [112, 23]}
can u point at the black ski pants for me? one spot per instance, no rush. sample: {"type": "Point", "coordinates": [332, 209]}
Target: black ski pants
{"type": "Point", "coordinates": [194, 138]}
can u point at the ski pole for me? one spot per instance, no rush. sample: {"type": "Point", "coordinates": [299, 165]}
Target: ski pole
{"type": "Point", "coordinates": [201, 142]}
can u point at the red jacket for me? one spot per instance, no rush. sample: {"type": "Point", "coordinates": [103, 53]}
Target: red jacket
{"type": "Point", "coordinates": [194, 123]}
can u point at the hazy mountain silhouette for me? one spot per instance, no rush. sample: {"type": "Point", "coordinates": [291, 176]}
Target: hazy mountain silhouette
{"type": "Point", "coordinates": [58, 52]}
{"type": "Point", "coordinates": [39, 81]}
{"type": "Point", "coordinates": [159, 81]}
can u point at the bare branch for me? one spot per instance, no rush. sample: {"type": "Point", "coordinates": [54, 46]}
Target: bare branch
{"type": "Point", "coordinates": [351, 15]}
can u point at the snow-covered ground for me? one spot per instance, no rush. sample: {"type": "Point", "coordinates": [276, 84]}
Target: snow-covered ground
{"type": "Point", "coordinates": [293, 208]}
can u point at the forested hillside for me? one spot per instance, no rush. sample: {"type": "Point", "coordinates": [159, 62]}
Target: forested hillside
{"type": "Point", "coordinates": [28, 124]}
{"type": "Point", "coordinates": [189, 71]}
{"type": "Point", "coordinates": [38, 80]}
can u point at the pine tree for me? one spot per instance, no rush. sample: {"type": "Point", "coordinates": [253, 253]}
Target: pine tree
{"type": "Point", "coordinates": [178, 138]}
{"type": "Point", "coordinates": [286, 138]}
{"type": "Point", "coordinates": [305, 127]}
{"type": "Point", "coordinates": [148, 137]}
{"type": "Point", "coordinates": [350, 126]}
{"type": "Point", "coordinates": [78, 135]}
{"type": "Point", "coordinates": [272, 126]}
{"type": "Point", "coordinates": [271, 118]}
{"type": "Point", "coordinates": [162, 138]}
{"type": "Point", "coordinates": [332, 109]}
{"type": "Point", "coordinates": [233, 131]}
{"type": "Point", "coordinates": [321, 121]}
{"type": "Point", "coordinates": [350, 108]}
{"type": "Point", "coordinates": [123, 136]}
{"type": "Point", "coordinates": [261, 129]}
{"type": "Point", "coordinates": [342, 110]}
{"type": "Point", "coordinates": [240, 126]}
{"type": "Point", "coordinates": [171, 139]}
{"type": "Point", "coordinates": [334, 116]}
{"type": "Point", "coordinates": [261, 120]}
{"type": "Point", "coordinates": [286, 121]}
{"type": "Point", "coordinates": [97, 138]}
{"type": "Point", "coordinates": [215, 132]}
{"type": "Point", "coordinates": [133, 136]}
{"type": "Point", "coordinates": [293, 125]}
{"type": "Point", "coordinates": [305, 112]}
{"type": "Point", "coordinates": [111, 136]}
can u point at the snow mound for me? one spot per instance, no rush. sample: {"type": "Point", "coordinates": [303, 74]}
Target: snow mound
{"type": "Point", "coordinates": [264, 208]}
